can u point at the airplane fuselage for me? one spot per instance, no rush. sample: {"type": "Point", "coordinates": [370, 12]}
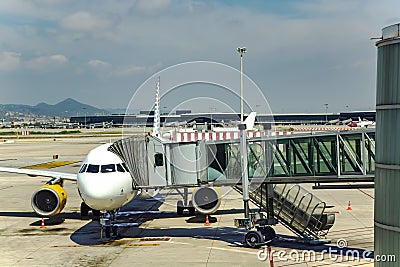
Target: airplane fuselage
{"type": "Point", "coordinates": [104, 182]}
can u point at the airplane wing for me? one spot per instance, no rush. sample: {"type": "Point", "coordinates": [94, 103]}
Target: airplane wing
{"type": "Point", "coordinates": [30, 172]}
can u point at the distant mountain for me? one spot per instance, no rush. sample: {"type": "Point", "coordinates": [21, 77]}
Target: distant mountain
{"type": "Point", "coordinates": [68, 107]}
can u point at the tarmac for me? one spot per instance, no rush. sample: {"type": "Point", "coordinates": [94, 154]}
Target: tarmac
{"type": "Point", "coordinates": [157, 236]}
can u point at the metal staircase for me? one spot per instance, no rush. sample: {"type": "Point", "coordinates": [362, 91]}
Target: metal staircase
{"type": "Point", "coordinates": [297, 209]}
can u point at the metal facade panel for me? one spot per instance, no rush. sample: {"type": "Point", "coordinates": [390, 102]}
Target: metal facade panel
{"type": "Point", "coordinates": [387, 176]}
{"type": "Point", "coordinates": [388, 136]}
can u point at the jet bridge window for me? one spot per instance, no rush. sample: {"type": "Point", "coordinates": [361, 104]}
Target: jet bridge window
{"type": "Point", "coordinates": [158, 159]}
{"type": "Point", "coordinates": [93, 168]}
{"type": "Point", "coordinates": [107, 168]}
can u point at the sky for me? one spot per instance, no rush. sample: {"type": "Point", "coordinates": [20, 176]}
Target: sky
{"type": "Point", "coordinates": [301, 54]}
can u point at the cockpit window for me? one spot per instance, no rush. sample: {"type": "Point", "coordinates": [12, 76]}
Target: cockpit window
{"type": "Point", "coordinates": [108, 168]}
{"type": "Point", "coordinates": [120, 168]}
{"type": "Point", "coordinates": [125, 167]}
{"type": "Point", "coordinates": [93, 168]}
{"type": "Point", "coordinates": [83, 168]}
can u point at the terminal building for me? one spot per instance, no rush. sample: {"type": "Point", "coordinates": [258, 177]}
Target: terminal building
{"type": "Point", "coordinates": [180, 117]}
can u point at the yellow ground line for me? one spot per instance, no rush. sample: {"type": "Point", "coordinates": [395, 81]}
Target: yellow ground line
{"type": "Point", "coordinates": [142, 245]}
{"type": "Point", "coordinates": [70, 246]}
{"type": "Point", "coordinates": [51, 164]}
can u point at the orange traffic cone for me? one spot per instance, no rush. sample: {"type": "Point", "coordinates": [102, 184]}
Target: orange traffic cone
{"type": "Point", "coordinates": [349, 206]}
{"type": "Point", "coordinates": [207, 221]}
{"type": "Point", "coordinates": [42, 225]}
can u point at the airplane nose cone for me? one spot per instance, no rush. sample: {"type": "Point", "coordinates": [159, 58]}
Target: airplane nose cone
{"type": "Point", "coordinates": [104, 193]}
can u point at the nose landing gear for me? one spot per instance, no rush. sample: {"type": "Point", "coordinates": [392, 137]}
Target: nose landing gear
{"type": "Point", "coordinates": [108, 223]}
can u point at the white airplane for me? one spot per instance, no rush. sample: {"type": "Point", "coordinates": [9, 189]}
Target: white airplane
{"type": "Point", "coordinates": [249, 121]}
{"type": "Point", "coordinates": [361, 123]}
{"type": "Point", "coordinates": [104, 184]}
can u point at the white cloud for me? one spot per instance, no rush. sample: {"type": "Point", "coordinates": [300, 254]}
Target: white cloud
{"type": "Point", "coordinates": [60, 59]}
{"type": "Point", "coordinates": [308, 46]}
{"type": "Point", "coordinates": [9, 61]}
{"type": "Point", "coordinates": [46, 62]}
{"type": "Point", "coordinates": [98, 64]}
{"type": "Point", "coordinates": [84, 21]}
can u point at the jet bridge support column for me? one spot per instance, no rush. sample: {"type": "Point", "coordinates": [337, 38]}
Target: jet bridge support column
{"type": "Point", "coordinates": [269, 189]}
{"type": "Point", "coordinates": [245, 174]}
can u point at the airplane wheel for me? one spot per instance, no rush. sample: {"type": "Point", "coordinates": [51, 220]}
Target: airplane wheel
{"type": "Point", "coordinates": [179, 207]}
{"type": "Point", "coordinates": [115, 230]}
{"type": "Point", "coordinates": [192, 211]}
{"type": "Point", "coordinates": [84, 209]}
{"type": "Point", "coordinates": [96, 213]}
{"type": "Point", "coordinates": [269, 233]}
{"type": "Point", "coordinates": [107, 231]}
{"type": "Point", "coordinates": [253, 239]}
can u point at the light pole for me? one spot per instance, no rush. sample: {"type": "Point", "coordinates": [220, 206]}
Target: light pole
{"type": "Point", "coordinates": [241, 51]}
{"type": "Point", "coordinates": [85, 116]}
{"type": "Point", "coordinates": [212, 109]}
{"type": "Point", "coordinates": [326, 112]}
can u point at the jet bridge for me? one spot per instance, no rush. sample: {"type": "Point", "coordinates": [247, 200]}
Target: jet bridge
{"type": "Point", "coordinates": [325, 157]}
{"type": "Point", "coordinates": [276, 165]}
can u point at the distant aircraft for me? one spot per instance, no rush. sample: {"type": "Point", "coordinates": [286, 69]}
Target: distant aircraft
{"type": "Point", "coordinates": [249, 121]}
{"type": "Point", "coordinates": [361, 123]}
{"type": "Point", "coordinates": [346, 122]}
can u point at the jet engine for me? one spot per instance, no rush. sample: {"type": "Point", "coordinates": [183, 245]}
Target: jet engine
{"type": "Point", "coordinates": [49, 200]}
{"type": "Point", "coordinates": [206, 200]}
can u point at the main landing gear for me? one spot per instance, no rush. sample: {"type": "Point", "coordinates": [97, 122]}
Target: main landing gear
{"type": "Point", "coordinates": [180, 208]}
{"type": "Point", "coordinates": [185, 204]}
{"type": "Point", "coordinates": [85, 211]}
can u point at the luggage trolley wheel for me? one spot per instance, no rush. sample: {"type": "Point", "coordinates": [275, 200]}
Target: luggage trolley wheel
{"type": "Point", "coordinates": [253, 239]}
{"type": "Point", "coordinates": [268, 232]}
